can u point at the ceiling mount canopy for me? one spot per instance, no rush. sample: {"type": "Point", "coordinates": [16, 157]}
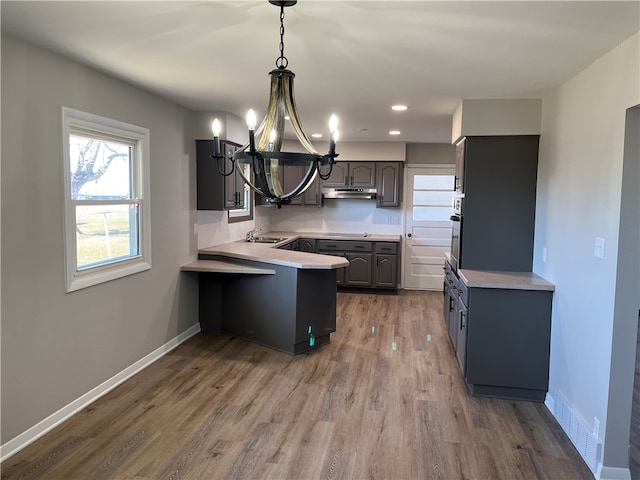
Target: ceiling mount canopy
{"type": "Point", "coordinates": [263, 154]}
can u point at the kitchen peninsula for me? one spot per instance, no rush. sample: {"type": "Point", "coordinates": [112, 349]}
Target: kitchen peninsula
{"type": "Point", "coordinates": [269, 293]}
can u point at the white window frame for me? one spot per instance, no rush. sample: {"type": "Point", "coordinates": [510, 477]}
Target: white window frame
{"type": "Point", "coordinates": [72, 121]}
{"type": "Point", "coordinates": [244, 214]}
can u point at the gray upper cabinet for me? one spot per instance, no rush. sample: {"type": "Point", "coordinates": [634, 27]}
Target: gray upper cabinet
{"type": "Point", "coordinates": [498, 214]}
{"type": "Point", "coordinates": [389, 184]}
{"type": "Point", "coordinates": [291, 176]}
{"type": "Point", "coordinates": [215, 191]}
{"type": "Point", "coordinates": [352, 174]}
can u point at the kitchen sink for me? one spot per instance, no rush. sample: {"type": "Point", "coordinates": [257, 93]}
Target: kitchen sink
{"type": "Point", "coordinates": [266, 240]}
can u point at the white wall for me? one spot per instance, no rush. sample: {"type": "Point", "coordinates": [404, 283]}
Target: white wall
{"type": "Point", "coordinates": [579, 199]}
{"type": "Point", "coordinates": [514, 116]}
{"type": "Point", "coordinates": [57, 346]}
{"type": "Point", "coordinates": [337, 216]}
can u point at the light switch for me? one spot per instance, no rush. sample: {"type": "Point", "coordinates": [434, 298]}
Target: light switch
{"type": "Point", "coordinates": [598, 251]}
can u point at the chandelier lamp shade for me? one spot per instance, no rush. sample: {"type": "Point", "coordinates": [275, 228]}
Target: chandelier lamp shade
{"type": "Point", "coordinates": [263, 153]}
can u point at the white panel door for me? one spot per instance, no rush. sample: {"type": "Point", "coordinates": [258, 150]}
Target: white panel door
{"type": "Point", "coordinates": [427, 238]}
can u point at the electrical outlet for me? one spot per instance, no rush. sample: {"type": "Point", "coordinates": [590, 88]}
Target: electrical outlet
{"type": "Point", "coordinates": [544, 254]}
{"type": "Point", "coordinates": [598, 250]}
{"type": "Point", "coordinates": [395, 220]}
{"type": "Point", "coordinates": [596, 427]}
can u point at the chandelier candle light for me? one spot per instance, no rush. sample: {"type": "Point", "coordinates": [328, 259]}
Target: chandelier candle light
{"type": "Point", "coordinates": [266, 159]}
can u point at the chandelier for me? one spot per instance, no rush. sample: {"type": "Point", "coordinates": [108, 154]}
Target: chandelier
{"type": "Point", "coordinates": [263, 152]}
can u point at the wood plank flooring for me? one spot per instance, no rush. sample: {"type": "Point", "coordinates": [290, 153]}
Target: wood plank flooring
{"type": "Point", "coordinates": [385, 400]}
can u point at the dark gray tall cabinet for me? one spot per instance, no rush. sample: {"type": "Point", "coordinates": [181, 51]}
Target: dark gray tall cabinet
{"type": "Point", "coordinates": [498, 177]}
{"type": "Point", "coordinates": [499, 330]}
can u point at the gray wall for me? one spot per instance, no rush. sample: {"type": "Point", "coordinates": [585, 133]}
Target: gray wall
{"type": "Point", "coordinates": [580, 178]}
{"type": "Point", "coordinates": [431, 153]}
{"type": "Point", "coordinates": [57, 346]}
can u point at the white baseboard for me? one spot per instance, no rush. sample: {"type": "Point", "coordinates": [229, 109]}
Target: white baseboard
{"type": "Point", "coordinates": [611, 473]}
{"type": "Point", "coordinates": [588, 445]}
{"type": "Point", "coordinates": [32, 434]}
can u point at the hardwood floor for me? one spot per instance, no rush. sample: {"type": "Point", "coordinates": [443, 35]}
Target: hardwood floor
{"type": "Point", "coordinates": [385, 400]}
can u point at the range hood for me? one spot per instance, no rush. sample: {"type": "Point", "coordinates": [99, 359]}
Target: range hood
{"type": "Point", "coordinates": [349, 192]}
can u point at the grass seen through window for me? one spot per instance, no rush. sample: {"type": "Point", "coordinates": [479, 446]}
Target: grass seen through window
{"type": "Point", "coordinates": [103, 233]}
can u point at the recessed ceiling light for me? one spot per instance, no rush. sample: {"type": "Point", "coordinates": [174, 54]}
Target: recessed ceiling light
{"type": "Point", "coordinates": [316, 135]}
{"type": "Point", "coordinates": [399, 108]}
{"type": "Point", "coordinates": [394, 132]}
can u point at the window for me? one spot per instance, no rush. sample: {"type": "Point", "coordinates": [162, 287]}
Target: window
{"type": "Point", "coordinates": [106, 183]}
{"type": "Point", "coordinates": [245, 213]}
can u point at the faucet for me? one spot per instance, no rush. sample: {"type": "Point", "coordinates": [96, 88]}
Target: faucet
{"type": "Point", "coordinates": [251, 234]}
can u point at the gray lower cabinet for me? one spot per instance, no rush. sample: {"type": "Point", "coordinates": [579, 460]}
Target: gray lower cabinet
{"type": "Point", "coordinates": [358, 274]}
{"type": "Point", "coordinates": [508, 339]}
{"type": "Point", "coordinates": [501, 338]}
{"type": "Point", "coordinates": [293, 310]}
{"type": "Point", "coordinates": [371, 264]}
{"type": "Point", "coordinates": [385, 265]}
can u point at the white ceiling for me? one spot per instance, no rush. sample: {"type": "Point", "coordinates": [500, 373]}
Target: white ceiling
{"type": "Point", "coordinates": [354, 58]}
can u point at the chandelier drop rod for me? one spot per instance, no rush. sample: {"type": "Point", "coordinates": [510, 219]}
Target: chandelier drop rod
{"type": "Point", "coordinates": [261, 162]}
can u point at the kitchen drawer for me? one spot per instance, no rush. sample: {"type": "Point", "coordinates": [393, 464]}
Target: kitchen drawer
{"type": "Point", "coordinates": [448, 271]}
{"type": "Point", "coordinates": [344, 246]}
{"type": "Point", "coordinates": [463, 292]}
{"type": "Point", "coordinates": [387, 248]}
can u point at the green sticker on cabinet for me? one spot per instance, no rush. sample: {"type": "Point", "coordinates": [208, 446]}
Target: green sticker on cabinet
{"type": "Point", "coordinates": [394, 346]}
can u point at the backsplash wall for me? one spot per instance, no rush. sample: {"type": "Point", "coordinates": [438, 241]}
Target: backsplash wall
{"type": "Point", "coordinates": [337, 216]}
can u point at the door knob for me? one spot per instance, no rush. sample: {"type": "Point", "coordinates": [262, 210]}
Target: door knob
{"type": "Point", "coordinates": [409, 235]}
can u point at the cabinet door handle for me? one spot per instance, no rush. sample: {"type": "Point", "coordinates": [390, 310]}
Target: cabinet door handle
{"type": "Point", "coordinates": [461, 320]}
{"type": "Point", "coordinates": [450, 303]}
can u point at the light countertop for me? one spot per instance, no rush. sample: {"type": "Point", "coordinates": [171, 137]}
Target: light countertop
{"type": "Point", "coordinates": [504, 280]}
{"type": "Point", "coordinates": [270, 253]}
